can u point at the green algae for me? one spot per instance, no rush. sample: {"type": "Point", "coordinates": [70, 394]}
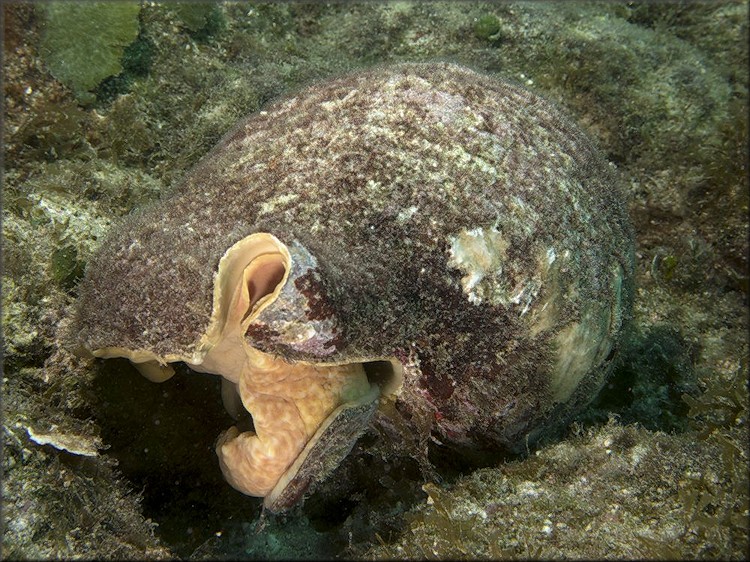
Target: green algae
{"type": "Point", "coordinates": [487, 27]}
{"type": "Point", "coordinates": [83, 42]}
{"type": "Point", "coordinates": [203, 19]}
{"type": "Point", "coordinates": [136, 63]}
{"type": "Point", "coordinates": [67, 269]}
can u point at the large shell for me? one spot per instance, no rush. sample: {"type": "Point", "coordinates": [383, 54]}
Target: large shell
{"type": "Point", "coordinates": [456, 225]}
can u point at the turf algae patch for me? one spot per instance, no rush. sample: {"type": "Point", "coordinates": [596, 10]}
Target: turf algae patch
{"type": "Point", "coordinates": [609, 492]}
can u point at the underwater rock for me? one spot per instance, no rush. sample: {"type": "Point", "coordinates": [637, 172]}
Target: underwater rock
{"type": "Point", "coordinates": [418, 235]}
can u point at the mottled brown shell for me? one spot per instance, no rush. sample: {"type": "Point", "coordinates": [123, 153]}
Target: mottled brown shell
{"type": "Point", "coordinates": [457, 222]}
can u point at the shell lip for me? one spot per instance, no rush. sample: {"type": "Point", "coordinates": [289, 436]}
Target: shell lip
{"type": "Point", "coordinates": [232, 267]}
{"type": "Point", "coordinates": [230, 271]}
{"type": "Point", "coordinates": [250, 276]}
{"type": "Point", "coordinates": [331, 443]}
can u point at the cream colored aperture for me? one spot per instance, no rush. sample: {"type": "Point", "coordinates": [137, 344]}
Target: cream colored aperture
{"type": "Point", "coordinates": [288, 401]}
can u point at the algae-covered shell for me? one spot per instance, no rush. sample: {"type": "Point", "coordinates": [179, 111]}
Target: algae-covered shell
{"type": "Point", "coordinates": [456, 228]}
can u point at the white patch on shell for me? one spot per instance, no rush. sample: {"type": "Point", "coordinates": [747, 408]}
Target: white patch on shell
{"type": "Point", "coordinates": [481, 254]}
{"type": "Point", "coordinates": [268, 206]}
{"type": "Point", "coordinates": [441, 106]}
{"type": "Point", "coordinates": [407, 213]}
{"type": "Point", "coordinates": [545, 314]}
{"type": "Point", "coordinates": [551, 256]}
{"type": "Point", "coordinates": [335, 104]}
{"type": "Point", "coordinates": [583, 345]}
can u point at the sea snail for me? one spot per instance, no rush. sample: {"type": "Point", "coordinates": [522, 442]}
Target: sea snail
{"type": "Point", "coordinates": [417, 234]}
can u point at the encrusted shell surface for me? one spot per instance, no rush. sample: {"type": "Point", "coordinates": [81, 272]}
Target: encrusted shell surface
{"type": "Point", "coordinates": [452, 221]}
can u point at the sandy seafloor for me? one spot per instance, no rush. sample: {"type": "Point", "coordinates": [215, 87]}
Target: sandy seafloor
{"type": "Point", "coordinates": [100, 463]}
